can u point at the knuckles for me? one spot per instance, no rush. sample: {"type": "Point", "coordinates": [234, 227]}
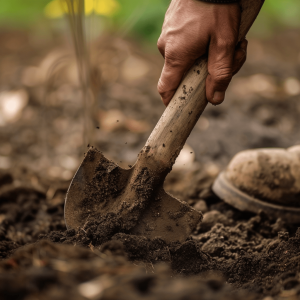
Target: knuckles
{"type": "Point", "coordinates": [222, 77]}
{"type": "Point", "coordinates": [174, 61]}
{"type": "Point", "coordinates": [161, 45]}
{"type": "Point", "coordinates": [228, 44]}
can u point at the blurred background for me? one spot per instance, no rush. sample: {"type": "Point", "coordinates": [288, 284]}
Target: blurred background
{"type": "Point", "coordinates": [48, 113]}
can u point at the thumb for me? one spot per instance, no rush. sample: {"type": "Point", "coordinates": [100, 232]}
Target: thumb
{"type": "Point", "coordinates": [171, 76]}
{"type": "Point", "coordinates": [220, 67]}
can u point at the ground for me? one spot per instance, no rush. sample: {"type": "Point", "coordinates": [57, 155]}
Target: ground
{"type": "Point", "coordinates": [231, 254]}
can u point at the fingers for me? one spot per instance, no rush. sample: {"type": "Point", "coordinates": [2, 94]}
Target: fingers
{"type": "Point", "coordinates": [220, 68]}
{"type": "Point", "coordinates": [240, 56]}
{"type": "Point", "coordinates": [170, 78]}
{"type": "Point", "coordinates": [225, 60]}
{"type": "Point", "coordinates": [173, 71]}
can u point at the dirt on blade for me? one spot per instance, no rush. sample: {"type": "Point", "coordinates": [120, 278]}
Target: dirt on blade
{"type": "Point", "coordinates": [133, 198]}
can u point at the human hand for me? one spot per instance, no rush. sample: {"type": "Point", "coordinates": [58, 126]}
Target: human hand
{"type": "Point", "coordinates": [193, 28]}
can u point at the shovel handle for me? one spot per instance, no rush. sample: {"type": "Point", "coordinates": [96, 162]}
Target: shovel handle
{"type": "Point", "coordinates": [188, 102]}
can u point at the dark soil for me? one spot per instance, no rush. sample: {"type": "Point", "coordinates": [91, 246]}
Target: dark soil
{"type": "Point", "coordinates": [231, 254]}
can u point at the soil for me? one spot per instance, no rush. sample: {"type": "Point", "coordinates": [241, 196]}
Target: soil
{"type": "Point", "coordinates": [230, 255]}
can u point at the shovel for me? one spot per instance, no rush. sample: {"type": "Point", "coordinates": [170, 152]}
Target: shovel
{"type": "Point", "coordinates": [100, 188]}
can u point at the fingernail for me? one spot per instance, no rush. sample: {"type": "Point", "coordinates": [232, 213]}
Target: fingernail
{"type": "Point", "coordinates": [219, 96]}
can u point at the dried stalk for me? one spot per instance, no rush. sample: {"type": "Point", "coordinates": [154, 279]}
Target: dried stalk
{"type": "Point", "coordinates": [75, 15]}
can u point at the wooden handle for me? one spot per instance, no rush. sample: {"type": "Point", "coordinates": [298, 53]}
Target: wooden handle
{"type": "Point", "coordinates": [189, 101]}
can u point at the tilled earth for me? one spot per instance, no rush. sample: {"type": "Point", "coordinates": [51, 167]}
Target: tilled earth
{"type": "Point", "coordinates": [231, 254]}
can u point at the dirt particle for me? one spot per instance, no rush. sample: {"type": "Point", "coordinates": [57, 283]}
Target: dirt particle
{"type": "Point", "coordinates": [147, 149]}
{"type": "Point", "coordinates": [283, 235]}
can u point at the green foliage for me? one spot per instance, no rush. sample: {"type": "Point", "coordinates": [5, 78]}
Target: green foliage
{"type": "Point", "coordinates": [21, 11]}
{"type": "Point", "coordinates": [284, 12]}
{"type": "Point", "coordinates": [277, 14]}
{"type": "Point", "coordinates": [143, 18]}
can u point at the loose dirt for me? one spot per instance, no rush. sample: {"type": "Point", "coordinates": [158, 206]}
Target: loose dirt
{"type": "Point", "coordinates": [231, 254]}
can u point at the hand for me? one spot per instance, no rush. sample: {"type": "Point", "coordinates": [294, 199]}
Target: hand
{"type": "Point", "coordinates": [193, 28]}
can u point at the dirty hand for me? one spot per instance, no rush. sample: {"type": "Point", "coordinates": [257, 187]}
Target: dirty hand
{"type": "Point", "coordinates": [193, 28]}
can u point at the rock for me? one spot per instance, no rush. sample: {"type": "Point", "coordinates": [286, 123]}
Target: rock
{"type": "Point", "coordinates": [201, 206]}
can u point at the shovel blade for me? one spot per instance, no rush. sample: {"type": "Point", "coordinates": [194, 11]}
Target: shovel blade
{"type": "Point", "coordinates": [98, 188]}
